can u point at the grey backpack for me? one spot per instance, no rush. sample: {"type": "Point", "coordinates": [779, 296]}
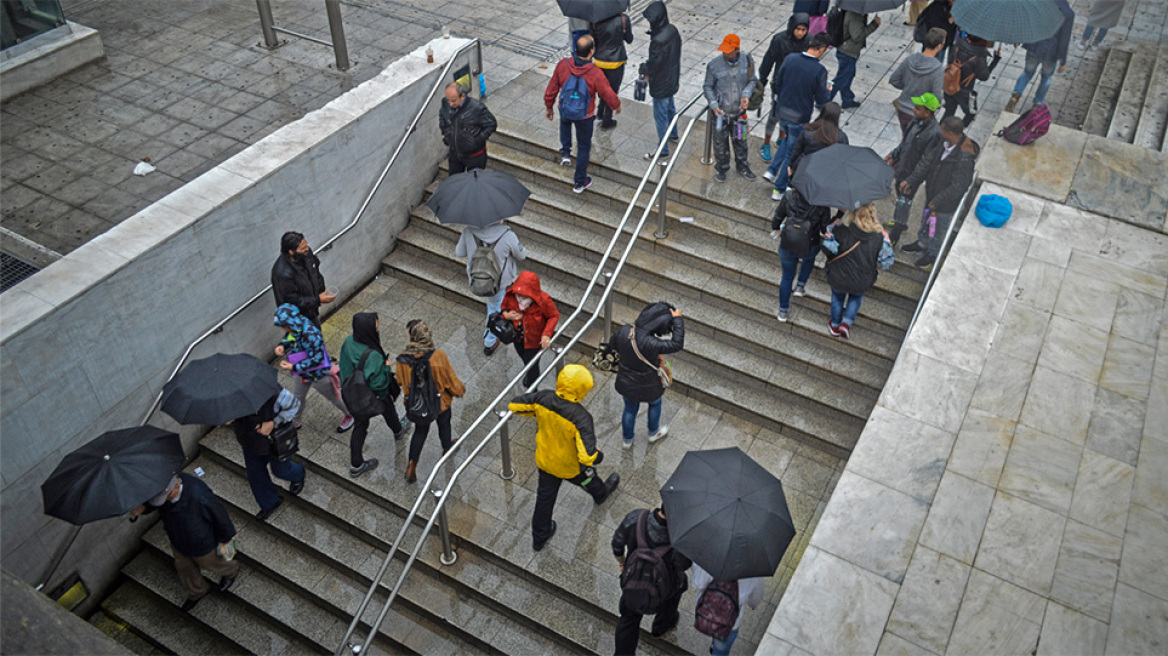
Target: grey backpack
{"type": "Point", "coordinates": [485, 270]}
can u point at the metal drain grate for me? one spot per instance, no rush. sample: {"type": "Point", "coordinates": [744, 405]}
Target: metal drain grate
{"type": "Point", "coordinates": [13, 270]}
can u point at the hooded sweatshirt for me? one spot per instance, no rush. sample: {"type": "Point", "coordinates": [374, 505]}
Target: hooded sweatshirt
{"type": "Point", "coordinates": [508, 250]}
{"type": "Point", "coordinates": [565, 439]}
{"type": "Point", "coordinates": [782, 44]}
{"type": "Point", "coordinates": [663, 68]}
{"type": "Point", "coordinates": [378, 375]}
{"type": "Point", "coordinates": [540, 318]}
{"type": "Point", "coordinates": [918, 74]}
{"type": "Point", "coordinates": [305, 344]}
{"type": "Point", "coordinates": [593, 77]}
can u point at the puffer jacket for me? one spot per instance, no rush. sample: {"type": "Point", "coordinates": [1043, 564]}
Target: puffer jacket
{"type": "Point", "coordinates": [854, 272]}
{"type": "Point", "coordinates": [916, 154]}
{"type": "Point", "coordinates": [973, 61]}
{"type": "Point", "coordinates": [540, 318]}
{"type": "Point", "coordinates": [624, 541]}
{"type": "Point", "coordinates": [727, 84]}
{"type": "Point", "coordinates": [635, 379]}
{"type": "Point", "coordinates": [782, 44]}
{"type": "Point", "coordinates": [565, 440]}
{"type": "Point", "coordinates": [663, 68]}
{"type": "Point", "coordinates": [466, 130]}
{"type": "Point", "coordinates": [794, 204]}
{"type": "Point", "coordinates": [611, 35]}
{"type": "Point", "coordinates": [807, 144]}
{"type": "Point", "coordinates": [305, 338]}
{"type": "Point", "coordinates": [952, 176]}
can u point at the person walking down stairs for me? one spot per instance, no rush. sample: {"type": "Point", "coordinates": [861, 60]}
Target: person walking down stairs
{"type": "Point", "coordinates": [642, 347]}
{"type": "Point", "coordinates": [365, 342]}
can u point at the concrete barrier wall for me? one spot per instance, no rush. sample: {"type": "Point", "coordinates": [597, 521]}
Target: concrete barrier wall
{"type": "Point", "coordinates": [87, 343]}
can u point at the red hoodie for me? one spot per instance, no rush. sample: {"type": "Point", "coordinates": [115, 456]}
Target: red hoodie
{"type": "Point", "coordinates": [541, 317]}
{"type": "Point", "coordinates": [593, 77]}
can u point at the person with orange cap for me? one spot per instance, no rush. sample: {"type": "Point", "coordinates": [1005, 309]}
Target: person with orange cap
{"type": "Point", "coordinates": [730, 80]}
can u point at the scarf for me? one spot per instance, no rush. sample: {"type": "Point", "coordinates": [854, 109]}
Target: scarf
{"type": "Point", "coordinates": [421, 342]}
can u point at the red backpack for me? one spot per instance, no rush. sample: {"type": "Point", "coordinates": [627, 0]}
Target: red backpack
{"type": "Point", "coordinates": [717, 610]}
{"type": "Point", "coordinates": [1028, 127]}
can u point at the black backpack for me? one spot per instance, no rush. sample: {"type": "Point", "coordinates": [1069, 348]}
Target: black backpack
{"type": "Point", "coordinates": [835, 27]}
{"type": "Point", "coordinates": [647, 580]}
{"type": "Point", "coordinates": [359, 398]}
{"type": "Point", "coordinates": [423, 402]}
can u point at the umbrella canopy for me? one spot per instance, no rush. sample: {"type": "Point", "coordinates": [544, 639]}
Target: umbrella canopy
{"type": "Point", "coordinates": [728, 514]}
{"type": "Point", "coordinates": [844, 177]}
{"type": "Point", "coordinates": [1017, 21]}
{"type": "Point", "coordinates": [592, 11]}
{"type": "Point", "coordinates": [220, 388]}
{"type": "Point", "coordinates": [478, 198]}
{"type": "Point", "coordinates": [113, 474]}
{"type": "Point", "coordinates": [869, 6]}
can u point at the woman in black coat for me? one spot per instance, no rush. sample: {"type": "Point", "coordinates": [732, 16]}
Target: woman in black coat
{"type": "Point", "coordinates": [637, 381]}
{"type": "Point", "coordinates": [852, 271]}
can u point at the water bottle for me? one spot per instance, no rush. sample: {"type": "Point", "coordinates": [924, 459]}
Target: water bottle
{"type": "Point", "coordinates": [482, 86]}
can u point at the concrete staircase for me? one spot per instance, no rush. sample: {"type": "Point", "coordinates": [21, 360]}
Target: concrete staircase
{"type": "Point", "coordinates": [1130, 102]}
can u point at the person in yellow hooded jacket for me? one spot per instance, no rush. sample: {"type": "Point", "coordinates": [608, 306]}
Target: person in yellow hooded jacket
{"type": "Point", "coordinates": [565, 446]}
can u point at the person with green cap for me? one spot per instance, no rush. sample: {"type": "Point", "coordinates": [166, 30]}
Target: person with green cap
{"type": "Point", "coordinates": [918, 150]}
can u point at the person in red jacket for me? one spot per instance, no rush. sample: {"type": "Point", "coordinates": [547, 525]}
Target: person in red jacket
{"type": "Point", "coordinates": [535, 317]}
{"type": "Point", "coordinates": [576, 109]}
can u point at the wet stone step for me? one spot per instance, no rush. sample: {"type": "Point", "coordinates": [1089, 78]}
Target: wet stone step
{"type": "Point", "coordinates": [164, 625]}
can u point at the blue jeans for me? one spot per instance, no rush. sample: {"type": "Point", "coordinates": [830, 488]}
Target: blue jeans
{"type": "Point", "coordinates": [261, 483]}
{"type": "Point", "coordinates": [848, 312]}
{"type": "Point", "coordinates": [778, 167]}
{"type": "Point", "coordinates": [629, 418]}
{"type": "Point", "coordinates": [722, 647]}
{"type": "Point", "coordinates": [790, 263]}
{"type": "Point", "coordinates": [663, 113]}
{"type": "Point", "coordinates": [494, 304]}
{"type": "Point", "coordinates": [843, 78]}
{"type": "Point", "coordinates": [583, 146]}
{"type": "Point", "coordinates": [1028, 71]}
{"type": "Point", "coordinates": [1098, 38]}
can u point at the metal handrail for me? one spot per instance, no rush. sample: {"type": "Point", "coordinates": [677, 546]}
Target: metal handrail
{"type": "Point", "coordinates": [504, 416]}
{"type": "Point", "coordinates": [474, 43]}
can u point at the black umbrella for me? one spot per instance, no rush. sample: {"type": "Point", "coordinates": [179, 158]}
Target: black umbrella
{"type": "Point", "coordinates": [728, 514]}
{"type": "Point", "coordinates": [869, 6]}
{"type": "Point", "coordinates": [220, 388]}
{"type": "Point", "coordinates": [478, 198]}
{"type": "Point", "coordinates": [113, 474]}
{"type": "Point", "coordinates": [844, 177]}
{"type": "Point", "coordinates": [592, 11]}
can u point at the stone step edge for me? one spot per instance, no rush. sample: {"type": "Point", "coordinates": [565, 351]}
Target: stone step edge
{"type": "Point", "coordinates": [1103, 101]}
{"type": "Point", "coordinates": [1132, 94]}
{"type": "Point", "coordinates": [129, 586]}
{"type": "Point", "coordinates": [1153, 119]}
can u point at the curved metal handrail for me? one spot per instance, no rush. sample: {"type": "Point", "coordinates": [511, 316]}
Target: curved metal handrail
{"type": "Point", "coordinates": [474, 43]}
{"type": "Point", "coordinates": [506, 415]}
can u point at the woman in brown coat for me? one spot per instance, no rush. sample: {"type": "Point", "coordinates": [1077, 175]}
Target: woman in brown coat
{"type": "Point", "coordinates": [421, 350]}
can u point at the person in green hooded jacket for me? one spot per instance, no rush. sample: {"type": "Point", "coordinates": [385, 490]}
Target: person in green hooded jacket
{"type": "Point", "coordinates": [379, 377]}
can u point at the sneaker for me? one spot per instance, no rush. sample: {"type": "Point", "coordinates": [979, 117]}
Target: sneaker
{"type": "Point", "coordinates": [783, 315]}
{"type": "Point", "coordinates": [659, 435]}
{"type": "Point", "coordinates": [626, 444]}
{"type": "Point", "coordinates": [610, 486]}
{"type": "Point", "coordinates": [831, 328]}
{"type": "Point", "coordinates": [800, 290]}
{"type": "Point", "coordinates": [748, 174]}
{"type": "Point", "coordinates": [367, 466]}
{"type": "Point", "coordinates": [263, 515]}
{"type": "Point", "coordinates": [845, 331]}
{"type": "Point", "coordinates": [536, 546]}
{"type": "Point", "coordinates": [767, 175]}
{"type": "Point", "coordinates": [776, 195]}
{"type": "Point", "coordinates": [925, 262]}
{"type": "Point", "coordinates": [225, 583]}
{"type": "Point", "coordinates": [765, 152]}
{"type": "Point", "coordinates": [850, 105]}
{"type": "Point", "coordinates": [1082, 45]}
{"type": "Point", "coordinates": [346, 424]}
{"type": "Point", "coordinates": [579, 189]}
{"type": "Point", "coordinates": [663, 162]}
{"type": "Point", "coordinates": [914, 247]}
{"type": "Point", "coordinates": [296, 488]}
{"type": "Point", "coordinates": [188, 605]}
{"type": "Point", "coordinates": [297, 424]}
{"type": "Point", "coordinates": [490, 350]}
{"type": "Point", "coordinates": [1014, 98]}
{"type": "Point", "coordinates": [406, 425]}
{"type": "Point", "coordinates": [675, 138]}
{"type": "Point", "coordinates": [720, 176]}
{"type": "Point", "coordinates": [565, 160]}
{"type": "Point", "coordinates": [608, 125]}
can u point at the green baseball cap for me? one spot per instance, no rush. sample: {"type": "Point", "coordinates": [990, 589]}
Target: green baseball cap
{"type": "Point", "coordinates": [928, 101]}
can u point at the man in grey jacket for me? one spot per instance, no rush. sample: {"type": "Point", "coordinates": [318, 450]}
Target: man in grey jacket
{"type": "Point", "coordinates": [920, 73]}
{"type": "Point", "coordinates": [508, 252]}
{"type": "Point", "coordinates": [730, 79]}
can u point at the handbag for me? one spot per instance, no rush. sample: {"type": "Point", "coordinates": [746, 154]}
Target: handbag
{"type": "Point", "coordinates": [502, 329]}
{"type": "Point", "coordinates": [664, 372]}
{"type": "Point", "coordinates": [285, 441]}
{"type": "Point", "coordinates": [606, 358]}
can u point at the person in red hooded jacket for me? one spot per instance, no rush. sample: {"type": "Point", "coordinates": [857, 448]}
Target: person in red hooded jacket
{"type": "Point", "coordinates": [535, 317]}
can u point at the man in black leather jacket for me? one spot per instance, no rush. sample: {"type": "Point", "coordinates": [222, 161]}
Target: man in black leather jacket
{"type": "Point", "coordinates": [466, 124]}
{"type": "Point", "coordinates": [296, 278]}
{"type": "Point", "coordinates": [611, 35]}
{"type": "Point", "coordinates": [918, 152]}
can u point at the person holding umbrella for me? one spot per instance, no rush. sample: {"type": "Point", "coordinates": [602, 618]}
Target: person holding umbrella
{"type": "Point", "coordinates": [253, 434]}
{"type": "Point", "coordinates": [749, 592]}
{"type": "Point", "coordinates": [508, 252]}
{"type": "Point", "coordinates": [466, 124]}
{"type": "Point", "coordinates": [364, 346]}
{"type": "Point", "coordinates": [648, 529]}
{"type": "Point", "coordinates": [1048, 53]}
{"type": "Point", "coordinates": [799, 227]}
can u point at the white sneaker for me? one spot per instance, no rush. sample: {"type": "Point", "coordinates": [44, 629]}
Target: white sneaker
{"type": "Point", "coordinates": [767, 175]}
{"type": "Point", "coordinates": [659, 435]}
{"type": "Point", "coordinates": [800, 291]}
{"type": "Point", "coordinates": [565, 160]}
{"type": "Point", "coordinates": [626, 444]}
{"type": "Point", "coordinates": [776, 195]}
{"type": "Point", "coordinates": [783, 315]}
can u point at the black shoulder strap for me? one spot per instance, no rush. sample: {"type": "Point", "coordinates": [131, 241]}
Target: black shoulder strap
{"type": "Point", "coordinates": [361, 364]}
{"type": "Point", "coordinates": [642, 533]}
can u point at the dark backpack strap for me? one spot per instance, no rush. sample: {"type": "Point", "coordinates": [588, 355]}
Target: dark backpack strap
{"type": "Point", "coordinates": [642, 532]}
{"type": "Point", "coordinates": [361, 364]}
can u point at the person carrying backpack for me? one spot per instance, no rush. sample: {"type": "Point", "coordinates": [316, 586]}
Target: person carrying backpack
{"type": "Point", "coordinates": [971, 56]}
{"type": "Point", "coordinates": [503, 244]}
{"type": "Point", "coordinates": [427, 396]}
{"type": "Point", "coordinates": [800, 227]}
{"type": "Point", "coordinates": [575, 83]}
{"type": "Point", "coordinates": [535, 316]}
{"type": "Point", "coordinates": [639, 543]}
{"type": "Point", "coordinates": [713, 602]}
{"type": "Point", "coordinates": [362, 350]}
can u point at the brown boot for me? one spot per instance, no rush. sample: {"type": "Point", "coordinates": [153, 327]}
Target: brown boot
{"type": "Point", "coordinates": [1013, 102]}
{"type": "Point", "coordinates": [412, 472]}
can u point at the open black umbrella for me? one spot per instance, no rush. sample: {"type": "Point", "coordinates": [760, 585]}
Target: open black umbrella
{"type": "Point", "coordinates": [869, 6]}
{"type": "Point", "coordinates": [219, 388]}
{"type": "Point", "coordinates": [592, 11]}
{"type": "Point", "coordinates": [478, 198]}
{"type": "Point", "coordinates": [844, 177]}
{"type": "Point", "coordinates": [728, 514]}
{"type": "Point", "coordinates": [112, 474]}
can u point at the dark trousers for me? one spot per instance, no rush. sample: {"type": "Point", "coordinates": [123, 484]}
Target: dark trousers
{"type": "Point", "coordinates": [905, 120]}
{"type": "Point", "coordinates": [549, 489]}
{"type": "Point", "coordinates": [464, 164]}
{"type": "Point", "coordinates": [422, 430]}
{"type": "Point", "coordinates": [962, 101]}
{"type": "Point", "coordinates": [262, 487]}
{"type": "Point", "coordinates": [583, 147]}
{"type": "Point", "coordinates": [527, 355]}
{"type": "Point", "coordinates": [723, 139]}
{"type": "Point", "coordinates": [842, 84]}
{"type": "Point", "coordinates": [628, 629]}
{"type": "Point", "coordinates": [614, 76]}
{"type": "Point", "coordinates": [361, 429]}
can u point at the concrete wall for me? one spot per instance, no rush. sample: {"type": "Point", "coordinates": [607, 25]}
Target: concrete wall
{"type": "Point", "coordinates": [87, 343]}
{"type": "Point", "coordinates": [50, 56]}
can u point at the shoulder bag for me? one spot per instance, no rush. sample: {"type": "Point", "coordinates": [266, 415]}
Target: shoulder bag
{"type": "Point", "coordinates": [664, 372]}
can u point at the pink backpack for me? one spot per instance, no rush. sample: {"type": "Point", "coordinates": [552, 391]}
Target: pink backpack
{"type": "Point", "coordinates": [1028, 127]}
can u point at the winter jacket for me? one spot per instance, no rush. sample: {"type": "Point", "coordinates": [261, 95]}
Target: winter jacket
{"type": "Point", "coordinates": [807, 144]}
{"type": "Point", "coordinates": [378, 375]}
{"type": "Point", "coordinates": [299, 283]}
{"type": "Point", "coordinates": [972, 60]}
{"type": "Point", "coordinates": [727, 84]}
{"type": "Point", "coordinates": [812, 7]}
{"type": "Point", "coordinates": [1054, 47]}
{"type": "Point", "coordinates": [305, 338]}
{"type": "Point", "coordinates": [917, 152]}
{"type": "Point", "coordinates": [565, 438]}
{"type": "Point", "coordinates": [951, 176]}
{"type": "Point", "coordinates": [858, 29]}
{"type": "Point", "coordinates": [465, 130]}
{"type": "Point", "coordinates": [279, 409]}
{"type": "Point", "coordinates": [635, 379]}
{"type": "Point", "coordinates": [800, 86]}
{"type": "Point", "coordinates": [197, 522]}
{"type": "Point", "coordinates": [624, 542]}
{"type": "Point", "coordinates": [935, 15]}
{"type": "Point", "coordinates": [663, 68]}
{"type": "Point", "coordinates": [782, 44]}
{"type": "Point", "coordinates": [508, 251]}
{"type": "Point", "coordinates": [854, 272]}
{"type": "Point", "coordinates": [540, 318]}
{"type": "Point", "coordinates": [918, 74]}
{"type": "Point", "coordinates": [611, 35]}
{"type": "Point", "coordinates": [593, 77]}
{"type": "Point", "coordinates": [448, 384]}
{"type": "Point", "coordinates": [793, 204]}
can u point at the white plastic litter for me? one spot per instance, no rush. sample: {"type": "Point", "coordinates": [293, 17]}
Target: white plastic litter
{"type": "Point", "coordinates": [143, 168]}
{"type": "Point", "coordinates": [686, 219]}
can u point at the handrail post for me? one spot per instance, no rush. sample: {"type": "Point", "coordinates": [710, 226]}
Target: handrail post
{"type": "Point", "coordinates": [337, 30]}
{"type": "Point", "coordinates": [607, 332]}
{"type": "Point", "coordinates": [706, 152]}
{"type": "Point", "coordinates": [448, 556]}
{"type": "Point", "coordinates": [266, 22]}
{"type": "Point", "coordinates": [508, 472]}
{"type": "Point", "coordinates": [662, 233]}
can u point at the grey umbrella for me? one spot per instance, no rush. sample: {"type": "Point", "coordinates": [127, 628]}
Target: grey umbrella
{"type": "Point", "coordinates": [1017, 21]}
{"type": "Point", "coordinates": [478, 198]}
{"type": "Point", "coordinates": [844, 177]}
{"type": "Point", "coordinates": [592, 11]}
{"type": "Point", "coordinates": [869, 6]}
{"type": "Point", "coordinates": [728, 514]}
